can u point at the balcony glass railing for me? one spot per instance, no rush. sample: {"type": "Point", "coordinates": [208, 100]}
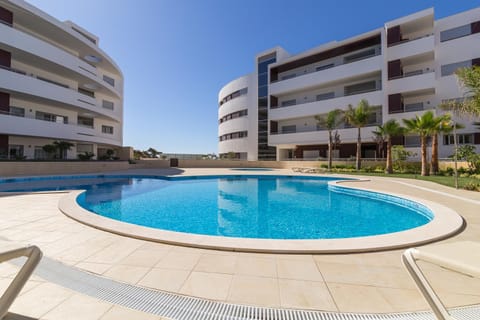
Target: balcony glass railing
{"type": "Point", "coordinates": [406, 40]}
{"type": "Point", "coordinates": [345, 60]}
{"type": "Point", "coordinates": [291, 130]}
{"type": "Point", "coordinates": [412, 74]}
{"type": "Point", "coordinates": [110, 80]}
{"type": "Point", "coordinates": [330, 97]}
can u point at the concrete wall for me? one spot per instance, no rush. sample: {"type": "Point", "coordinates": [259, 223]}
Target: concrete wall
{"type": "Point", "coordinates": [34, 168]}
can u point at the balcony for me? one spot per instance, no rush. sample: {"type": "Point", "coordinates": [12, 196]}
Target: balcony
{"type": "Point", "coordinates": [14, 80]}
{"type": "Point", "coordinates": [415, 81]}
{"type": "Point", "coordinates": [14, 124]}
{"type": "Point", "coordinates": [319, 107]}
{"type": "Point", "coordinates": [331, 75]}
{"type": "Point", "coordinates": [22, 43]}
{"type": "Point", "coordinates": [408, 48]}
{"type": "Point", "coordinates": [315, 136]}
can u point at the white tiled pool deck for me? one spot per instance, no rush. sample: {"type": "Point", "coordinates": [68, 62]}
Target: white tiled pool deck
{"type": "Point", "coordinates": [363, 282]}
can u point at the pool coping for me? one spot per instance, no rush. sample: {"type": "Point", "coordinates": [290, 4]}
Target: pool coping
{"type": "Point", "coordinates": [446, 223]}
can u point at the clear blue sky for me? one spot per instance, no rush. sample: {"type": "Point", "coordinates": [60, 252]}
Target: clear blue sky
{"type": "Point", "coordinates": [177, 54]}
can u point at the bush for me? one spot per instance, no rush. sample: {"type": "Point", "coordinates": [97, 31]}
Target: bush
{"type": "Point", "coordinates": [86, 156]}
{"type": "Point", "coordinates": [472, 186]}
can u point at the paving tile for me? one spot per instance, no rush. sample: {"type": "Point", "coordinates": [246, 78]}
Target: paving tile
{"type": "Point", "coordinates": [143, 258]}
{"type": "Point", "coordinates": [40, 300]}
{"type": "Point", "coordinates": [179, 260]}
{"type": "Point", "coordinates": [207, 285]}
{"type": "Point", "coordinates": [127, 274]}
{"type": "Point", "coordinates": [298, 270]}
{"type": "Point", "coordinates": [260, 291]}
{"type": "Point", "coordinates": [305, 295]}
{"type": "Point", "coordinates": [165, 279]}
{"type": "Point", "coordinates": [98, 268]}
{"type": "Point", "coordinates": [358, 298]}
{"type": "Point", "coordinates": [255, 266]}
{"type": "Point", "coordinates": [216, 263]}
{"type": "Point", "coordinates": [119, 312]}
{"type": "Point", "coordinates": [78, 307]}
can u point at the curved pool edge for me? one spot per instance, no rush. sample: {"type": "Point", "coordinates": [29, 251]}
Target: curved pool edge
{"type": "Point", "coordinates": [446, 223]}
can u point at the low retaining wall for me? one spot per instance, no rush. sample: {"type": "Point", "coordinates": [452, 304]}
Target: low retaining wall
{"type": "Point", "coordinates": [35, 168]}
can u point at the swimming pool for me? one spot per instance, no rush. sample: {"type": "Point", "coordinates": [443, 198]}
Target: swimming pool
{"type": "Point", "coordinates": [243, 206]}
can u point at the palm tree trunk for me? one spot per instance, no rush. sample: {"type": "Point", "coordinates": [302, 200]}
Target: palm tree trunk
{"type": "Point", "coordinates": [434, 162]}
{"type": "Point", "coordinates": [389, 167]}
{"type": "Point", "coordinates": [424, 156]}
{"type": "Point", "coordinates": [359, 151]}
{"type": "Point", "coordinates": [329, 150]}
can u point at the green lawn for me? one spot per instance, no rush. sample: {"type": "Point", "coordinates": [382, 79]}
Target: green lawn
{"type": "Point", "coordinates": [444, 180]}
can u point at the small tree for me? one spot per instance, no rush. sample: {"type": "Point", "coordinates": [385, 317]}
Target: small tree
{"type": "Point", "coordinates": [467, 153]}
{"type": "Point", "coordinates": [63, 147]}
{"type": "Point", "coordinates": [400, 156]}
{"type": "Point", "coordinates": [50, 150]}
{"type": "Point", "coordinates": [153, 153]}
{"type": "Point", "coordinates": [390, 129]}
{"type": "Point", "coordinates": [358, 117]}
{"type": "Point", "coordinates": [330, 122]}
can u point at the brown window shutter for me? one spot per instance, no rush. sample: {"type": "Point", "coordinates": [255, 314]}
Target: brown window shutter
{"type": "Point", "coordinates": [394, 69]}
{"type": "Point", "coordinates": [273, 127]}
{"type": "Point", "coordinates": [476, 138]}
{"type": "Point", "coordinates": [4, 102]}
{"type": "Point", "coordinates": [398, 141]}
{"type": "Point", "coordinates": [273, 102]}
{"type": "Point", "coordinates": [6, 16]}
{"type": "Point", "coordinates": [395, 104]}
{"type": "Point", "coordinates": [5, 58]}
{"type": "Point", "coordinates": [393, 35]}
{"type": "Point", "coordinates": [475, 27]}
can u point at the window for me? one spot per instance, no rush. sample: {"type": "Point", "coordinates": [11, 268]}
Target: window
{"type": "Point", "coordinates": [107, 104]}
{"type": "Point", "coordinates": [85, 122]}
{"type": "Point", "coordinates": [50, 117]}
{"type": "Point", "coordinates": [17, 112]}
{"type": "Point", "coordinates": [324, 67]}
{"type": "Point", "coordinates": [449, 69]}
{"type": "Point", "coordinates": [288, 103]}
{"type": "Point", "coordinates": [461, 139]}
{"type": "Point", "coordinates": [325, 96]}
{"type": "Point", "coordinates": [360, 87]}
{"type": "Point", "coordinates": [359, 55]}
{"type": "Point", "coordinates": [15, 151]}
{"type": "Point", "coordinates": [413, 107]}
{"type": "Point", "coordinates": [233, 135]}
{"type": "Point", "coordinates": [235, 94]}
{"type": "Point", "coordinates": [289, 76]}
{"type": "Point", "coordinates": [289, 129]}
{"type": "Point", "coordinates": [86, 92]}
{"type": "Point", "coordinates": [457, 32]}
{"type": "Point", "coordinates": [412, 141]}
{"type": "Point", "coordinates": [238, 114]}
{"type": "Point", "coordinates": [39, 153]}
{"type": "Point", "coordinates": [107, 129]}
{"type": "Point", "coordinates": [109, 80]}
{"type": "Point", "coordinates": [82, 148]}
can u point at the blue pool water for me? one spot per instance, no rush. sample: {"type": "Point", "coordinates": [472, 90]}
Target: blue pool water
{"type": "Point", "coordinates": [269, 207]}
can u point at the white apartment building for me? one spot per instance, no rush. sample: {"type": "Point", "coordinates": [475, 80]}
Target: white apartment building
{"type": "Point", "coordinates": [56, 84]}
{"type": "Point", "coordinates": [403, 68]}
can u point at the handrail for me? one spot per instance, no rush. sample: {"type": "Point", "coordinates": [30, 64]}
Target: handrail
{"type": "Point", "coordinates": [5, 113]}
{"type": "Point", "coordinates": [9, 251]}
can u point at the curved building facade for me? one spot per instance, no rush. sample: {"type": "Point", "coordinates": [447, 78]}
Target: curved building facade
{"type": "Point", "coordinates": [236, 116]}
{"type": "Point", "coordinates": [56, 84]}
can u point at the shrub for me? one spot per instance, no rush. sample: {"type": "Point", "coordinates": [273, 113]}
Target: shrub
{"type": "Point", "coordinates": [472, 186]}
{"type": "Point", "coordinates": [86, 156]}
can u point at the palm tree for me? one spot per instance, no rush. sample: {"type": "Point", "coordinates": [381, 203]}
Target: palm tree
{"type": "Point", "coordinates": [62, 147]}
{"type": "Point", "coordinates": [390, 129]}
{"type": "Point", "coordinates": [423, 126]}
{"type": "Point", "coordinates": [358, 117]}
{"type": "Point", "coordinates": [442, 124]}
{"type": "Point", "coordinates": [330, 122]}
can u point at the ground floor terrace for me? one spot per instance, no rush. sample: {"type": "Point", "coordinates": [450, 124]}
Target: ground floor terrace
{"type": "Point", "coordinates": [361, 282]}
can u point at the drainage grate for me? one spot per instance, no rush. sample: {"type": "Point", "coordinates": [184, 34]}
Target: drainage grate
{"type": "Point", "coordinates": [180, 307]}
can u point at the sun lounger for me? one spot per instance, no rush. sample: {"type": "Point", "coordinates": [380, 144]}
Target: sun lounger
{"type": "Point", "coordinates": [462, 257]}
{"type": "Point", "coordinates": [9, 251]}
